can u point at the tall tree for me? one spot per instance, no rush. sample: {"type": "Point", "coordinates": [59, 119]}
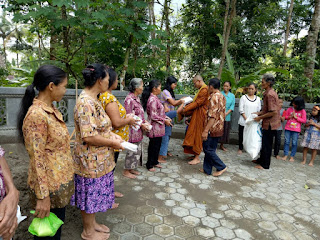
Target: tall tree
{"type": "Point", "coordinates": [6, 29]}
{"type": "Point", "coordinates": [227, 33]}
{"type": "Point", "coordinates": [285, 45]}
{"type": "Point", "coordinates": [312, 39]}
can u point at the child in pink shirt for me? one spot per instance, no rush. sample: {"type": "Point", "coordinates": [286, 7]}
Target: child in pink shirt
{"type": "Point", "coordinates": [294, 116]}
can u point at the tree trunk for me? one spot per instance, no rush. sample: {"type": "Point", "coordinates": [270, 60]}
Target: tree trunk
{"type": "Point", "coordinates": [135, 57]}
{"type": "Point", "coordinates": [285, 45]}
{"type": "Point", "coordinates": [39, 47]}
{"type": "Point", "coordinates": [312, 39]}
{"type": "Point", "coordinates": [227, 34]}
{"type": "Point", "coordinates": [225, 21]}
{"type": "Point", "coordinates": [17, 59]}
{"type": "Point", "coordinates": [152, 22]}
{"type": "Point", "coordinates": [167, 22]}
{"type": "Point", "coordinates": [125, 64]}
{"type": "Point", "coordinates": [4, 51]}
{"type": "Point", "coordinates": [53, 42]}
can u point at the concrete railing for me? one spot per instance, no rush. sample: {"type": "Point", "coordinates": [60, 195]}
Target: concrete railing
{"type": "Point", "coordinates": [10, 99]}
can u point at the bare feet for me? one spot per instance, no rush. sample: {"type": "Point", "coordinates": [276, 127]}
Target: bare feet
{"type": "Point", "coordinates": [310, 164]}
{"type": "Point", "coordinates": [135, 172]}
{"type": "Point", "coordinates": [278, 157]}
{"type": "Point", "coordinates": [101, 228]}
{"type": "Point", "coordinates": [255, 161]}
{"type": "Point", "coordinates": [223, 148]}
{"type": "Point", "coordinates": [195, 161]}
{"type": "Point", "coordinates": [201, 170]}
{"type": "Point", "coordinates": [303, 162]}
{"type": "Point", "coordinates": [291, 159]}
{"type": "Point", "coordinates": [128, 174]}
{"type": "Point", "coordinates": [239, 152]}
{"type": "Point", "coordinates": [191, 157]}
{"type": "Point", "coordinates": [284, 158]}
{"type": "Point", "coordinates": [95, 235]}
{"type": "Point", "coordinates": [161, 159]}
{"type": "Point", "coordinates": [218, 173]}
{"type": "Point", "coordinates": [151, 170]}
{"type": "Point", "coordinates": [158, 166]}
{"type": "Point", "coordinates": [118, 194]}
{"type": "Point", "coordinates": [115, 205]}
{"type": "Point", "coordinates": [169, 154]}
{"type": "Point", "coordinates": [259, 167]}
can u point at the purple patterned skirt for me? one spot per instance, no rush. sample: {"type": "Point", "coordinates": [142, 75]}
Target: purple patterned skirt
{"type": "Point", "coordinates": [93, 194]}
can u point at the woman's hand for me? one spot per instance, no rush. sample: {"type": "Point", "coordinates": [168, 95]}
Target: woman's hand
{"type": "Point", "coordinates": [42, 208]}
{"type": "Point", "coordinates": [311, 122]}
{"type": "Point", "coordinates": [132, 120]}
{"type": "Point", "coordinates": [8, 214]}
{"type": "Point", "coordinates": [117, 144]}
{"type": "Point", "coordinates": [144, 127]}
{"type": "Point", "coordinates": [167, 121]}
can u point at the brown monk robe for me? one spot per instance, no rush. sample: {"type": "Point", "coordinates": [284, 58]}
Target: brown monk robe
{"type": "Point", "coordinates": [198, 110]}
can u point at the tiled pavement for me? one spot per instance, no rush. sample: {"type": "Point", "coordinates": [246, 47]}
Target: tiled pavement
{"type": "Point", "coordinates": [179, 202]}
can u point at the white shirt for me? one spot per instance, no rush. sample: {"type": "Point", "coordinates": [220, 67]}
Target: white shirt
{"type": "Point", "coordinates": [248, 106]}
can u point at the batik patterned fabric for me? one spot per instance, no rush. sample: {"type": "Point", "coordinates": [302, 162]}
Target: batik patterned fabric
{"type": "Point", "coordinates": [91, 120]}
{"type": "Point", "coordinates": [311, 137]}
{"type": "Point", "coordinates": [217, 110]}
{"type": "Point", "coordinates": [2, 186]}
{"type": "Point", "coordinates": [134, 159]}
{"type": "Point", "coordinates": [156, 117]}
{"type": "Point", "coordinates": [47, 142]}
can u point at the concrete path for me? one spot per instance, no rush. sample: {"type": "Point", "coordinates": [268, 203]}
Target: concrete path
{"type": "Point", "coordinates": [179, 202]}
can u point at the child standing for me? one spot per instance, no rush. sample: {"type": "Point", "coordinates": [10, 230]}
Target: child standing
{"type": "Point", "coordinates": [311, 139]}
{"type": "Point", "coordinates": [294, 116]}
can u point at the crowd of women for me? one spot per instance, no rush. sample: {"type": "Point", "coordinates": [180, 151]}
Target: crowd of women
{"type": "Point", "coordinates": [85, 178]}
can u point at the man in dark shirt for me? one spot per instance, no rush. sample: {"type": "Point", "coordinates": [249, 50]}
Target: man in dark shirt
{"type": "Point", "coordinates": [270, 116]}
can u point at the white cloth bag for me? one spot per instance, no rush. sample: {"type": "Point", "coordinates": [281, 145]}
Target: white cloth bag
{"type": "Point", "coordinates": [252, 136]}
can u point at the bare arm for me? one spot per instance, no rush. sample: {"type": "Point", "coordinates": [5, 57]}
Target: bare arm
{"type": "Point", "coordinates": [266, 115]}
{"type": "Point", "coordinates": [174, 102]}
{"type": "Point", "coordinates": [113, 112]}
{"type": "Point", "coordinates": [98, 140]}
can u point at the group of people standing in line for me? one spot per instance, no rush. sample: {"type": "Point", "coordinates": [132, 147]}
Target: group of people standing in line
{"type": "Point", "coordinates": [85, 178]}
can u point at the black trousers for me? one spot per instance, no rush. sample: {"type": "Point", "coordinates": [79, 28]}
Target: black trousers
{"type": "Point", "coordinates": [241, 128]}
{"type": "Point", "coordinates": [61, 213]}
{"type": "Point", "coordinates": [266, 151]}
{"type": "Point", "coordinates": [153, 151]}
{"type": "Point", "coordinates": [277, 142]}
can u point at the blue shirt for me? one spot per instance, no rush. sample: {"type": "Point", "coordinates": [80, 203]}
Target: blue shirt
{"type": "Point", "coordinates": [231, 100]}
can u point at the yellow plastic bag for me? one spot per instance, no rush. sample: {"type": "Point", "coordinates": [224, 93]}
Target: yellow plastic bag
{"type": "Point", "coordinates": [45, 227]}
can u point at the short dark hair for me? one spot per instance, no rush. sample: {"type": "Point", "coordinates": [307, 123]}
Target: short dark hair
{"type": "Point", "coordinates": [112, 76]}
{"type": "Point", "coordinates": [299, 101]}
{"type": "Point", "coordinates": [269, 78]}
{"type": "Point", "coordinates": [215, 83]}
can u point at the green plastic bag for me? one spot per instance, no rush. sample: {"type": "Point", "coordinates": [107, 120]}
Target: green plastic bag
{"type": "Point", "coordinates": [45, 227]}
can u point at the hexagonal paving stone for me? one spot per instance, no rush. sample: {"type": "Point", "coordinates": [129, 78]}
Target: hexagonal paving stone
{"type": "Point", "coordinates": [267, 225]}
{"type": "Point", "coordinates": [134, 218]}
{"type": "Point", "coordinates": [198, 212]}
{"type": "Point", "coordinates": [115, 218]}
{"type": "Point", "coordinates": [210, 222]}
{"type": "Point", "coordinates": [145, 210]}
{"type": "Point", "coordinates": [174, 238]}
{"type": "Point", "coordinates": [204, 186]}
{"type": "Point", "coordinates": [243, 234]}
{"type": "Point", "coordinates": [163, 230]}
{"type": "Point", "coordinates": [195, 181]}
{"type": "Point", "coordinates": [228, 224]}
{"type": "Point", "coordinates": [286, 217]}
{"type": "Point", "coordinates": [182, 191]}
{"type": "Point", "coordinates": [153, 219]}
{"type": "Point", "coordinates": [191, 220]}
{"type": "Point", "coordinates": [177, 197]}
{"type": "Point", "coordinates": [284, 235]}
{"type": "Point", "coordinates": [153, 237]}
{"type": "Point", "coordinates": [250, 215]}
{"type": "Point", "coordinates": [170, 190]}
{"type": "Point", "coordinates": [269, 208]}
{"type": "Point", "coordinates": [175, 185]}
{"type": "Point", "coordinates": [187, 204]}
{"type": "Point", "coordinates": [122, 228]}
{"type": "Point", "coordinates": [143, 229]}
{"type": "Point", "coordinates": [172, 220]}
{"type": "Point", "coordinates": [205, 232]}
{"type": "Point", "coordinates": [130, 236]}
{"type": "Point", "coordinates": [162, 211]}
{"type": "Point", "coordinates": [170, 203]}
{"type": "Point", "coordinates": [180, 212]}
{"type": "Point", "coordinates": [303, 236]}
{"type": "Point", "coordinates": [184, 231]}
{"type": "Point", "coordinates": [233, 214]}
{"type": "Point", "coordinates": [254, 207]}
{"type": "Point", "coordinates": [162, 195]}
{"type": "Point", "coordinates": [216, 215]}
{"type": "Point", "coordinates": [286, 226]}
{"type": "Point", "coordinates": [167, 180]}
{"type": "Point", "coordinates": [268, 216]}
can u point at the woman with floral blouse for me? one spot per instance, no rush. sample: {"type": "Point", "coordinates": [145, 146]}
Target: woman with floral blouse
{"type": "Point", "coordinates": [46, 137]}
{"type": "Point", "coordinates": [93, 153]}
{"type": "Point", "coordinates": [133, 106]}
{"type": "Point", "coordinates": [158, 120]}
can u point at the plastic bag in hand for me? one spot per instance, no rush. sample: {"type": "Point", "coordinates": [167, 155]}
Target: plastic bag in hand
{"type": "Point", "coordinates": [45, 227]}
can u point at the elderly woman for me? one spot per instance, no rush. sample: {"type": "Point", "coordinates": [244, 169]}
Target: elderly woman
{"type": "Point", "coordinates": [117, 114]}
{"type": "Point", "coordinates": [133, 106]}
{"type": "Point", "coordinates": [93, 153]}
{"type": "Point", "coordinates": [9, 198]}
{"type": "Point", "coordinates": [46, 137]}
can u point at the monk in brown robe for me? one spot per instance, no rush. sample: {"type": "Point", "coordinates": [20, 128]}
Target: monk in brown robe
{"type": "Point", "coordinates": [198, 111]}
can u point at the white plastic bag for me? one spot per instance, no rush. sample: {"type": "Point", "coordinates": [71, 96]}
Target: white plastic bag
{"type": "Point", "coordinates": [252, 136]}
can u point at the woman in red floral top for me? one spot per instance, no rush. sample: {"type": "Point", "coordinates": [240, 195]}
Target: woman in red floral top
{"type": "Point", "coordinates": [158, 120]}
